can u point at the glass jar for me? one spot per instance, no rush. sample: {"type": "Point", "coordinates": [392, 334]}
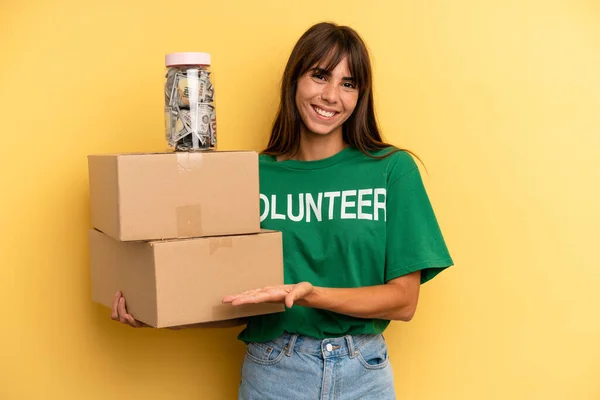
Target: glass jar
{"type": "Point", "coordinates": [190, 117]}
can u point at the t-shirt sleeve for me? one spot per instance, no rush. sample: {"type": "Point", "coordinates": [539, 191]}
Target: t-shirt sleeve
{"type": "Point", "coordinates": [414, 238]}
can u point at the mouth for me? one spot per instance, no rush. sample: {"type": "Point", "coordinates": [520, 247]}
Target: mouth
{"type": "Point", "coordinates": [325, 114]}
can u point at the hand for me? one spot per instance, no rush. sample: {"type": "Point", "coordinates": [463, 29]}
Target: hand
{"type": "Point", "coordinates": [287, 294]}
{"type": "Point", "coordinates": [119, 313]}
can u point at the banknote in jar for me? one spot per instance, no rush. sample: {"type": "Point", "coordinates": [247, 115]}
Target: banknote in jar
{"type": "Point", "coordinates": [200, 87]}
{"type": "Point", "coordinates": [168, 126]}
{"type": "Point", "coordinates": [186, 124]}
{"type": "Point", "coordinates": [213, 126]}
{"type": "Point", "coordinates": [170, 84]}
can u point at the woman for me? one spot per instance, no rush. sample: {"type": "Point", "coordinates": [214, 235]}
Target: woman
{"type": "Point", "coordinates": [359, 233]}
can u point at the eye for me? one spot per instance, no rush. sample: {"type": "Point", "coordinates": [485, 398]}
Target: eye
{"type": "Point", "coordinates": [318, 76]}
{"type": "Point", "coordinates": [349, 85]}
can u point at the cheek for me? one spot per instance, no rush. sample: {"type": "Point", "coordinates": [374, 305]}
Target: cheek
{"type": "Point", "coordinates": [305, 92]}
{"type": "Point", "coordinates": [350, 104]}
{"type": "Point", "coordinates": [301, 97]}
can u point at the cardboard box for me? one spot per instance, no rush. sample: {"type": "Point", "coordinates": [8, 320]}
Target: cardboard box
{"type": "Point", "coordinates": [181, 282]}
{"type": "Point", "coordinates": [169, 195]}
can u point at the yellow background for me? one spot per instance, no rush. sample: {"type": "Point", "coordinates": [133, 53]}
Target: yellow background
{"type": "Point", "coordinates": [500, 99]}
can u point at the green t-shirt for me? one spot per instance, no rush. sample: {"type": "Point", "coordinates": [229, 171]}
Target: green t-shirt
{"type": "Point", "coordinates": [348, 221]}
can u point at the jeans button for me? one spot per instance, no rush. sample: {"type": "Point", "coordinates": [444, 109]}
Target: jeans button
{"type": "Point", "coordinates": [329, 347]}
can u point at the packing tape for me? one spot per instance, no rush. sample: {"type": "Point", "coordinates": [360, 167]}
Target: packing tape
{"type": "Point", "coordinates": [188, 161]}
{"type": "Point", "coordinates": [189, 220]}
{"type": "Point", "coordinates": [215, 243]}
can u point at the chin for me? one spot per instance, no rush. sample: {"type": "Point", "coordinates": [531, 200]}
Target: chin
{"type": "Point", "coordinates": [322, 131]}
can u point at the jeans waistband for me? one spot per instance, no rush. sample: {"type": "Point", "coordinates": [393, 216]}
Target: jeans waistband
{"type": "Point", "coordinates": [329, 347]}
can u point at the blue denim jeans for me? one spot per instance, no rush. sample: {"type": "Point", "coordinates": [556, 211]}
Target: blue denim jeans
{"type": "Point", "coordinates": [299, 367]}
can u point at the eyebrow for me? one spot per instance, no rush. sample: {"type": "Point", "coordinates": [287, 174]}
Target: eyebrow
{"type": "Point", "coordinates": [323, 71]}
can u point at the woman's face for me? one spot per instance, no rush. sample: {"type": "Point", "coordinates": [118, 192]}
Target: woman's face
{"type": "Point", "coordinates": [325, 101]}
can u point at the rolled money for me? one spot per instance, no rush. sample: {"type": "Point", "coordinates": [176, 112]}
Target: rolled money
{"type": "Point", "coordinates": [168, 125]}
{"type": "Point", "coordinates": [184, 91]}
{"type": "Point", "coordinates": [213, 127]}
{"type": "Point", "coordinates": [177, 88]}
{"type": "Point", "coordinates": [171, 94]}
{"type": "Point", "coordinates": [169, 83]}
{"type": "Point", "coordinates": [181, 128]}
{"type": "Point", "coordinates": [187, 143]}
{"type": "Point", "coordinates": [202, 119]}
{"type": "Point", "coordinates": [210, 93]}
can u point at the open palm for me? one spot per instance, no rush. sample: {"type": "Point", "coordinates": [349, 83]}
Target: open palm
{"type": "Point", "coordinates": [287, 294]}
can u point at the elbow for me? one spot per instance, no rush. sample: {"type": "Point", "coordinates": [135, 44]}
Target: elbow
{"type": "Point", "coordinates": [406, 317]}
{"type": "Point", "coordinates": [404, 314]}
{"type": "Point", "coordinates": [405, 290]}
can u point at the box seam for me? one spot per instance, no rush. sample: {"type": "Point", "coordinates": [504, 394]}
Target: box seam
{"type": "Point", "coordinates": [153, 250]}
{"type": "Point", "coordinates": [119, 203]}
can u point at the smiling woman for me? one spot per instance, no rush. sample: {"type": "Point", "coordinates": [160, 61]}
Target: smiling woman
{"type": "Point", "coordinates": [326, 99]}
{"type": "Point", "coordinates": [359, 233]}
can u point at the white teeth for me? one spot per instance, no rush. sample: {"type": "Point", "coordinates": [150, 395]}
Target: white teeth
{"type": "Point", "coordinates": [324, 113]}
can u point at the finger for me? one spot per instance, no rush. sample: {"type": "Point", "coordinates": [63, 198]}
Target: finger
{"type": "Point", "coordinates": [266, 294]}
{"type": "Point", "coordinates": [248, 299]}
{"type": "Point", "coordinates": [289, 300]}
{"type": "Point", "coordinates": [261, 297]}
{"type": "Point", "coordinates": [245, 300]}
{"type": "Point", "coordinates": [292, 297]}
{"type": "Point", "coordinates": [122, 310]}
{"type": "Point", "coordinates": [135, 323]}
{"type": "Point", "coordinates": [230, 298]}
{"type": "Point", "coordinates": [114, 315]}
{"type": "Point", "coordinates": [251, 292]}
{"type": "Point", "coordinates": [132, 321]}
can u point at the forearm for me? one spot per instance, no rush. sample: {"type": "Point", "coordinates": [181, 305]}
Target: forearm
{"type": "Point", "coordinates": [391, 302]}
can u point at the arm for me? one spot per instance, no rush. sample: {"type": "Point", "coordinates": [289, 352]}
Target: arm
{"type": "Point", "coordinates": [395, 300]}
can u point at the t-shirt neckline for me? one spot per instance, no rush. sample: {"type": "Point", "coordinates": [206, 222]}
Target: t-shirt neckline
{"type": "Point", "coordinates": [342, 155]}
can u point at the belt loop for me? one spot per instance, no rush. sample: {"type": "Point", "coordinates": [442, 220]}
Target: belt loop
{"type": "Point", "coordinates": [350, 340]}
{"type": "Point", "coordinates": [290, 345]}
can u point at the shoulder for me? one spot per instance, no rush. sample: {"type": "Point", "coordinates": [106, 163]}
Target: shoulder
{"type": "Point", "coordinates": [264, 158]}
{"type": "Point", "coordinates": [266, 162]}
{"type": "Point", "coordinates": [396, 155]}
{"type": "Point", "coordinates": [398, 162]}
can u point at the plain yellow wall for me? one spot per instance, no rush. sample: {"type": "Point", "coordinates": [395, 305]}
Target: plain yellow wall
{"type": "Point", "coordinates": [500, 99]}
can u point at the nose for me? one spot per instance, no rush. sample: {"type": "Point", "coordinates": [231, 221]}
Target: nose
{"type": "Point", "coordinates": [330, 93]}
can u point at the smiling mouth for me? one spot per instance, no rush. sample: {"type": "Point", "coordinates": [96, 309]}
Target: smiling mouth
{"type": "Point", "coordinates": [323, 113]}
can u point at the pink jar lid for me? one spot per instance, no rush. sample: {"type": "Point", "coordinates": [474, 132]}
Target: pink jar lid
{"type": "Point", "coordinates": [187, 59]}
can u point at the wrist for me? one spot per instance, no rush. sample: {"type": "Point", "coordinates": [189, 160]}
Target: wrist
{"type": "Point", "coordinates": [312, 299]}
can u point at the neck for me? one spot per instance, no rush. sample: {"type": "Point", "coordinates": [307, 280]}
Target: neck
{"type": "Point", "coordinates": [317, 147]}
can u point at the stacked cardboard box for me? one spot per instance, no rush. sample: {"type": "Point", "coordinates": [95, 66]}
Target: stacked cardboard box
{"type": "Point", "coordinates": [176, 232]}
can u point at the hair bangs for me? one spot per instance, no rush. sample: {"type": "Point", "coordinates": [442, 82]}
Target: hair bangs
{"type": "Point", "coordinates": [327, 54]}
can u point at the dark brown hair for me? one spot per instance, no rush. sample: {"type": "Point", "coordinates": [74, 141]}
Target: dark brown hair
{"type": "Point", "coordinates": [328, 43]}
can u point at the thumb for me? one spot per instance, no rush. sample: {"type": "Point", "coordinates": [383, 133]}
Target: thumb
{"type": "Point", "coordinates": [289, 299]}
{"type": "Point", "coordinates": [299, 291]}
